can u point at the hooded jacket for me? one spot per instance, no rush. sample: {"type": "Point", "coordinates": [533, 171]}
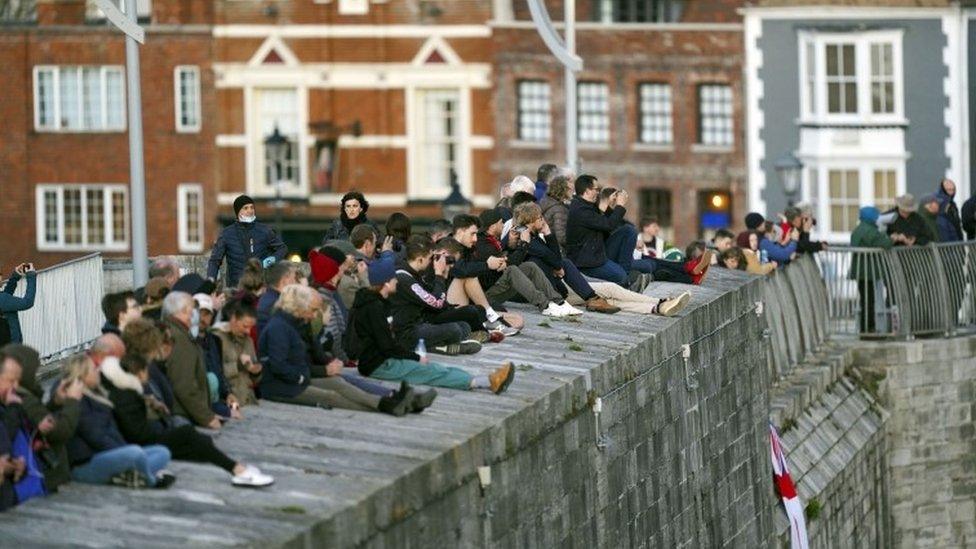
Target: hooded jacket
{"type": "Point", "coordinates": [415, 300]}
{"type": "Point", "coordinates": [950, 226]}
{"type": "Point", "coordinates": [187, 373]}
{"type": "Point", "coordinates": [867, 235]}
{"type": "Point", "coordinates": [65, 413]}
{"type": "Point", "coordinates": [370, 325]}
{"type": "Point", "coordinates": [10, 304]}
{"type": "Point", "coordinates": [241, 241]}
{"type": "Point", "coordinates": [587, 229]}
{"type": "Point", "coordinates": [283, 353]}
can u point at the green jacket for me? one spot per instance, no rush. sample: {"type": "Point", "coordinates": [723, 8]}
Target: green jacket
{"type": "Point", "coordinates": [930, 222]}
{"type": "Point", "coordinates": [56, 471]}
{"type": "Point", "coordinates": [187, 372]}
{"type": "Point", "coordinates": [868, 266]}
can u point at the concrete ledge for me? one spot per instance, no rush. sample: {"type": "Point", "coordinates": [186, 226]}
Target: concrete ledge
{"type": "Point", "coordinates": [684, 458]}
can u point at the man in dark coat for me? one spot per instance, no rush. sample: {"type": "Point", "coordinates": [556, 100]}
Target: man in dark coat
{"type": "Point", "coordinates": [908, 222]}
{"type": "Point", "coordinates": [242, 240]}
{"type": "Point", "coordinates": [587, 229]}
{"type": "Point", "coordinates": [968, 217]}
{"type": "Point", "coordinates": [950, 226]}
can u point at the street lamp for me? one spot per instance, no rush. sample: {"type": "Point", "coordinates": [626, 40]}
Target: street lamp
{"type": "Point", "coordinates": [276, 147]}
{"type": "Point", "coordinates": [788, 169]}
{"type": "Point", "coordinates": [455, 203]}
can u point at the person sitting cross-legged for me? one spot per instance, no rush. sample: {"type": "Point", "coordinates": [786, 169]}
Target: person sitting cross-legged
{"type": "Point", "coordinates": [287, 373]}
{"type": "Point", "coordinates": [381, 356]}
{"type": "Point", "coordinates": [420, 308]}
{"type": "Point", "coordinates": [503, 277]}
{"type": "Point", "coordinates": [542, 249]}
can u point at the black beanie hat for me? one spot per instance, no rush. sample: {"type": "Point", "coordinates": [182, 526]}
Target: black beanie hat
{"type": "Point", "coordinates": [240, 202]}
{"type": "Point", "coordinates": [489, 218]}
{"type": "Point", "coordinates": [335, 253]}
{"type": "Point", "coordinates": [754, 220]}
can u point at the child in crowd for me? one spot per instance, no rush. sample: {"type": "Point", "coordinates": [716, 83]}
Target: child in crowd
{"type": "Point", "coordinates": [698, 258]}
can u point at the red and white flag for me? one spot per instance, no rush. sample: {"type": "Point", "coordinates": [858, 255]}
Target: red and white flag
{"type": "Point", "coordinates": [787, 490]}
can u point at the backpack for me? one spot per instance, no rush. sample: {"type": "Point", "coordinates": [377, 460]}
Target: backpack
{"type": "Point", "coordinates": [32, 484]}
{"type": "Point", "coordinates": [351, 341]}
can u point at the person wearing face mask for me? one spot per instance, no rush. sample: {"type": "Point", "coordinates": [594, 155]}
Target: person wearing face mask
{"type": "Point", "coordinates": [352, 212]}
{"type": "Point", "coordinates": [242, 240]}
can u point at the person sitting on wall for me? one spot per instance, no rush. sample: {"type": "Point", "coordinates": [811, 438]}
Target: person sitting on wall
{"type": "Point", "coordinates": [381, 356]}
{"type": "Point", "coordinates": [651, 244]}
{"type": "Point", "coordinates": [398, 230]}
{"type": "Point", "coordinates": [119, 309]}
{"type": "Point", "coordinates": [555, 208]}
{"type": "Point", "coordinates": [754, 223]}
{"type": "Point", "coordinates": [276, 278]}
{"type": "Point", "coordinates": [186, 367]}
{"type": "Point", "coordinates": [484, 258]}
{"type": "Point", "coordinates": [544, 176]}
{"type": "Point", "coordinates": [420, 309]}
{"type": "Point", "coordinates": [542, 249]}
{"type": "Point", "coordinates": [240, 366]}
{"type": "Point", "coordinates": [244, 239]}
{"type": "Point", "coordinates": [698, 258]}
{"type": "Point", "coordinates": [770, 242]}
{"type": "Point", "coordinates": [723, 240]}
{"type": "Point", "coordinates": [288, 369]}
{"type": "Point", "coordinates": [440, 228]}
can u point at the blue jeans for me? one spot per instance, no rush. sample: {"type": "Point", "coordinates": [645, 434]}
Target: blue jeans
{"type": "Point", "coordinates": [148, 460]}
{"type": "Point", "coordinates": [609, 271]}
{"type": "Point", "coordinates": [573, 278]}
{"type": "Point", "coordinates": [411, 371]}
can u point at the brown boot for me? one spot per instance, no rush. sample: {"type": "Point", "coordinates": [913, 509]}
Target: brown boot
{"type": "Point", "coordinates": [501, 378]}
{"type": "Point", "coordinates": [600, 305]}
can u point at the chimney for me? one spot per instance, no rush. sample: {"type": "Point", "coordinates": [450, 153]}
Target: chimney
{"type": "Point", "coordinates": [60, 12]}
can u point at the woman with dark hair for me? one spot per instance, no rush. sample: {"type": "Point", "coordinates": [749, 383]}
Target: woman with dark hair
{"type": "Point", "coordinates": [352, 212]}
{"type": "Point", "coordinates": [398, 228]}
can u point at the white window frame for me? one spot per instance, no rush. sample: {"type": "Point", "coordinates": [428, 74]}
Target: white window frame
{"type": "Point", "coordinates": [255, 151]}
{"type": "Point", "coordinates": [817, 192]}
{"type": "Point", "coordinates": [110, 243]}
{"type": "Point", "coordinates": [56, 88]}
{"type": "Point", "coordinates": [178, 99]}
{"type": "Point", "coordinates": [669, 140]}
{"type": "Point", "coordinates": [862, 42]}
{"type": "Point", "coordinates": [183, 190]}
{"type": "Point", "coordinates": [605, 116]}
{"type": "Point", "coordinates": [700, 145]}
{"type": "Point", "coordinates": [520, 111]}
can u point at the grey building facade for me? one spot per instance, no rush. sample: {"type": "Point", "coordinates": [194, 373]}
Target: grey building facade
{"type": "Point", "coordinates": [874, 101]}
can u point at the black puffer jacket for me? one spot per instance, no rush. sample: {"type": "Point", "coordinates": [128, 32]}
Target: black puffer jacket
{"type": "Point", "coordinates": [586, 230]}
{"type": "Point", "coordinates": [239, 242]}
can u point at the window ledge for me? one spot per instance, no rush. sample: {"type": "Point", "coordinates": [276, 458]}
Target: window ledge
{"type": "Point", "coordinates": [855, 124]}
{"type": "Point", "coordinates": [50, 130]}
{"type": "Point", "coordinates": [650, 147]}
{"type": "Point", "coordinates": [700, 148]}
{"type": "Point", "coordinates": [538, 145]}
{"type": "Point", "coordinates": [594, 146]}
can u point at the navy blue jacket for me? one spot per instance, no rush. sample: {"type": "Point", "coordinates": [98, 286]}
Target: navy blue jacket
{"type": "Point", "coordinates": [239, 242]}
{"type": "Point", "coordinates": [266, 307]}
{"type": "Point", "coordinates": [587, 229]}
{"type": "Point", "coordinates": [96, 432]}
{"type": "Point", "coordinates": [10, 304]}
{"type": "Point", "coordinates": [282, 351]}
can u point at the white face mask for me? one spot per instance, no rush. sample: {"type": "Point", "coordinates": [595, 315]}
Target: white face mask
{"type": "Point", "coordinates": [248, 218]}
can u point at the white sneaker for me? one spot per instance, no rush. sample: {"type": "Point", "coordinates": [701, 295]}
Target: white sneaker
{"type": "Point", "coordinates": [555, 311]}
{"type": "Point", "coordinates": [570, 310]}
{"type": "Point", "coordinates": [252, 477]}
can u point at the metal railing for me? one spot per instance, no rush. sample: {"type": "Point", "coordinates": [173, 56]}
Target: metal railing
{"type": "Point", "coordinates": [67, 313]}
{"type": "Point", "coordinates": [903, 292]}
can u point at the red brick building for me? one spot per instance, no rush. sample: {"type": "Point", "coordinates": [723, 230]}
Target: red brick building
{"type": "Point", "coordinates": [659, 105]}
{"type": "Point", "coordinates": [390, 97]}
{"type": "Point", "coordinates": [64, 154]}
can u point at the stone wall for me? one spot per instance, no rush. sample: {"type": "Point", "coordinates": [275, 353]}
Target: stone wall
{"type": "Point", "coordinates": [929, 388]}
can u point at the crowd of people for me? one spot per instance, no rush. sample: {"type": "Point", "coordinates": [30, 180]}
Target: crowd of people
{"type": "Point", "coordinates": [184, 355]}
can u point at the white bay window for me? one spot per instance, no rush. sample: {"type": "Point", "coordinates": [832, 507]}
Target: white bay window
{"type": "Point", "coordinates": [853, 78]}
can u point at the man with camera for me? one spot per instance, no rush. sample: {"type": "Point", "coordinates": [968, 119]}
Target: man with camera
{"type": "Point", "coordinates": [588, 228]}
{"type": "Point", "coordinates": [11, 304]}
{"type": "Point", "coordinates": [420, 308]}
